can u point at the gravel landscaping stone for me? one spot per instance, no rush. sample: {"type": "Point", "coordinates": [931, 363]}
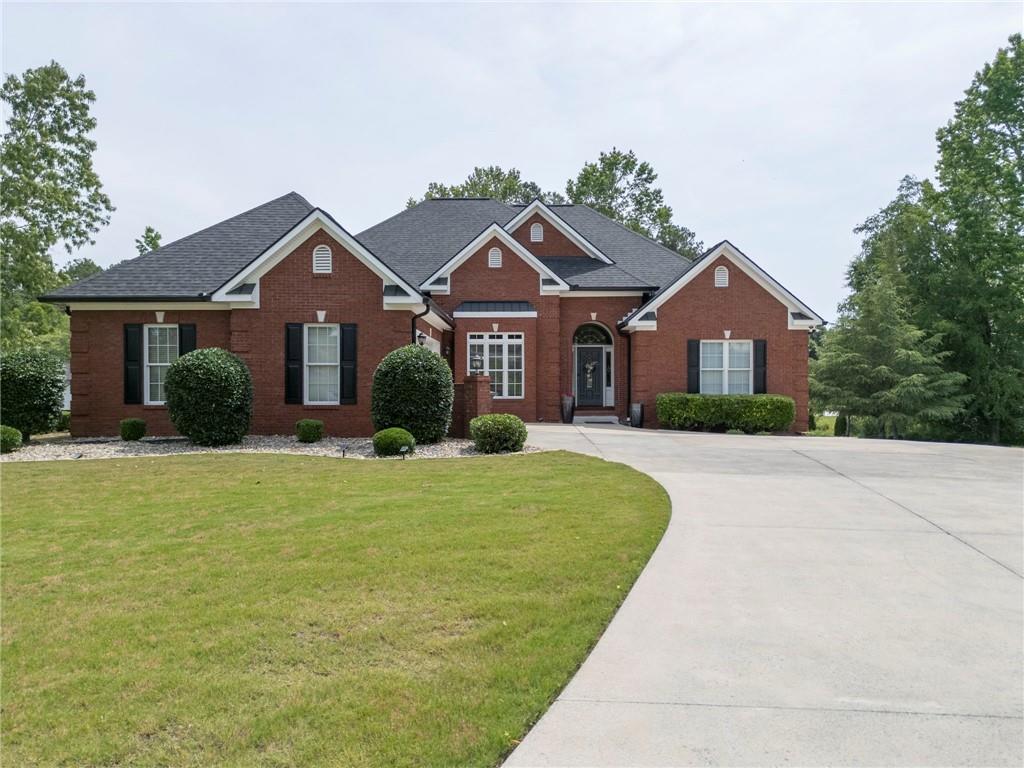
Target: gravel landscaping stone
{"type": "Point", "coordinates": [69, 448]}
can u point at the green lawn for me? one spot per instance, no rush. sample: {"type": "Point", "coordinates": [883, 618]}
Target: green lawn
{"type": "Point", "coordinates": [281, 610]}
{"type": "Point", "coordinates": [823, 426]}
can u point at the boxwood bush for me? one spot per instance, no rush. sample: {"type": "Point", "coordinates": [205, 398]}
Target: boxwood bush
{"type": "Point", "coordinates": [32, 382]}
{"type": "Point", "coordinates": [309, 430]}
{"type": "Point", "coordinates": [133, 429]}
{"type": "Point", "coordinates": [10, 439]}
{"type": "Point", "coordinates": [498, 433]}
{"type": "Point", "coordinates": [839, 429]}
{"type": "Point", "coordinates": [209, 396]}
{"type": "Point", "coordinates": [718, 413]}
{"type": "Point", "coordinates": [390, 441]}
{"type": "Point", "coordinates": [413, 389]}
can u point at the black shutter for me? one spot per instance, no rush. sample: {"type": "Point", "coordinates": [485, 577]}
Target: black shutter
{"type": "Point", "coordinates": [760, 367]}
{"type": "Point", "coordinates": [133, 364]}
{"type": "Point", "coordinates": [293, 363]}
{"type": "Point", "coordinates": [348, 363]}
{"type": "Point", "coordinates": [693, 366]}
{"type": "Point", "coordinates": [186, 339]}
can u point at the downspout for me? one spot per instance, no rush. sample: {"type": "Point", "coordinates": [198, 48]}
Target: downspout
{"type": "Point", "coordinates": [629, 373]}
{"type": "Point", "coordinates": [426, 310]}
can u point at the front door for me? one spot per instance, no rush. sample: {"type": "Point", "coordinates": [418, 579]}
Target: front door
{"type": "Point", "coordinates": [589, 376]}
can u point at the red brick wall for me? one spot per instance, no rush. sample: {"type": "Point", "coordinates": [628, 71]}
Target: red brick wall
{"type": "Point", "coordinates": [554, 243]}
{"type": "Point", "coordinates": [701, 311]}
{"type": "Point", "coordinates": [97, 366]}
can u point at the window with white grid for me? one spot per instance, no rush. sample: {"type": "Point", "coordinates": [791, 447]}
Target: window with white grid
{"type": "Point", "coordinates": [502, 355]}
{"type": "Point", "coordinates": [323, 364]}
{"type": "Point", "coordinates": [726, 367]}
{"type": "Point", "coordinates": [161, 350]}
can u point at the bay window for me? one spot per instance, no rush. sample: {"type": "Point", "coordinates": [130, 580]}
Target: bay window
{"type": "Point", "coordinates": [726, 367]}
{"type": "Point", "coordinates": [502, 355]}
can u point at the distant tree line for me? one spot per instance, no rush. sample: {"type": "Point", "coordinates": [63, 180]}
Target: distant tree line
{"type": "Point", "coordinates": [930, 342]}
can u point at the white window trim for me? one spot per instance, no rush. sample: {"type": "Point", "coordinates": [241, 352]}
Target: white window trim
{"type": "Point", "coordinates": [721, 276]}
{"type": "Point", "coordinates": [145, 359]}
{"type": "Point", "coordinates": [322, 250]}
{"type": "Point", "coordinates": [536, 232]}
{"type": "Point", "coordinates": [521, 340]}
{"type": "Point", "coordinates": [725, 366]}
{"type": "Point", "coordinates": [494, 258]}
{"type": "Point", "coordinates": [306, 364]}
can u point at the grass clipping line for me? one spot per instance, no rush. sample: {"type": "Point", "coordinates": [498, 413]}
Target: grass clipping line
{"type": "Point", "coordinates": [250, 609]}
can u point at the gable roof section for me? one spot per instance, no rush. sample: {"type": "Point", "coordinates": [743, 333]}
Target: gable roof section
{"type": "Point", "coordinates": [744, 262]}
{"type": "Point", "coordinates": [316, 219]}
{"type": "Point", "coordinates": [195, 266]}
{"type": "Point", "coordinates": [538, 206]}
{"type": "Point", "coordinates": [495, 230]}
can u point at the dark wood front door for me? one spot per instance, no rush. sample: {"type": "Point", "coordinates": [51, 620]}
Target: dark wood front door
{"type": "Point", "coordinates": [589, 376]}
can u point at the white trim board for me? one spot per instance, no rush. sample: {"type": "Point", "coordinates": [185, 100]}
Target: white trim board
{"type": "Point", "coordinates": [539, 206]}
{"type": "Point", "coordinates": [494, 230]}
{"type": "Point", "coordinates": [494, 314]}
{"type": "Point", "coordinates": [743, 262]}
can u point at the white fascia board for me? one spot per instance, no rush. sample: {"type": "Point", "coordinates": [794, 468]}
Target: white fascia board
{"type": "Point", "coordinates": [493, 230]}
{"type": "Point", "coordinates": [597, 294]}
{"type": "Point", "coordinates": [317, 219]}
{"type": "Point", "coordinates": [494, 314]}
{"type": "Point", "coordinates": [758, 275]}
{"type": "Point", "coordinates": [539, 206]}
{"type": "Point", "coordinates": [161, 306]}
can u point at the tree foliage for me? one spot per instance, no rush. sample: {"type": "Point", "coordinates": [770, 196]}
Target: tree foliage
{"type": "Point", "coordinates": [954, 251]}
{"type": "Point", "coordinates": [149, 241]}
{"type": "Point", "coordinates": [50, 196]}
{"type": "Point", "coordinates": [617, 184]}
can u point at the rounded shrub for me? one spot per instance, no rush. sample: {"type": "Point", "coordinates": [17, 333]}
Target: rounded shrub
{"type": "Point", "coordinates": [498, 433]}
{"type": "Point", "coordinates": [413, 389]}
{"type": "Point", "coordinates": [309, 430]}
{"type": "Point", "coordinates": [839, 430]}
{"type": "Point", "coordinates": [209, 396]}
{"type": "Point", "coordinates": [10, 439]}
{"type": "Point", "coordinates": [32, 383]}
{"type": "Point", "coordinates": [390, 441]}
{"type": "Point", "coordinates": [133, 429]}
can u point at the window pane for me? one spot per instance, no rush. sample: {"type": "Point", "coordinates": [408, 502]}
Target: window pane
{"type": "Point", "coordinates": [497, 383]}
{"type": "Point", "coordinates": [157, 374]}
{"type": "Point", "coordinates": [495, 358]}
{"type": "Point", "coordinates": [739, 382]}
{"type": "Point", "coordinates": [711, 382]}
{"type": "Point", "coordinates": [322, 344]}
{"type": "Point", "coordinates": [162, 344]}
{"type": "Point", "coordinates": [515, 357]}
{"type": "Point", "coordinates": [711, 354]}
{"type": "Point", "coordinates": [322, 383]}
{"type": "Point", "coordinates": [739, 354]}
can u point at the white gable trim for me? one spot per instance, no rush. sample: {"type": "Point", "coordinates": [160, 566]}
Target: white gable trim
{"type": "Point", "coordinates": [317, 219]}
{"type": "Point", "coordinates": [758, 275]}
{"type": "Point", "coordinates": [538, 206]}
{"type": "Point", "coordinates": [494, 230]}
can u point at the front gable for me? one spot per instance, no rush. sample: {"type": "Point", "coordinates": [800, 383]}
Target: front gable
{"type": "Point", "coordinates": [566, 240]}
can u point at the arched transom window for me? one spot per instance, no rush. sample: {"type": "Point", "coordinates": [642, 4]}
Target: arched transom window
{"type": "Point", "coordinates": [591, 334]}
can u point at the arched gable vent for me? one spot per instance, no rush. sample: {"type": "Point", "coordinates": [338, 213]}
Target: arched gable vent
{"type": "Point", "coordinates": [494, 257]}
{"type": "Point", "coordinates": [537, 232]}
{"type": "Point", "coordinates": [721, 277]}
{"type": "Point", "coordinates": [323, 263]}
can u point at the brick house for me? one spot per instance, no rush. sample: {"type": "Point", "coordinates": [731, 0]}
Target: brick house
{"type": "Point", "coordinates": [546, 300]}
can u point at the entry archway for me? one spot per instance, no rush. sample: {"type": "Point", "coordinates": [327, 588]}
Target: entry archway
{"type": "Point", "coordinates": [593, 355]}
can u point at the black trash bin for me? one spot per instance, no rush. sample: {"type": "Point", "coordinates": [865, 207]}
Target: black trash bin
{"type": "Point", "coordinates": [636, 414]}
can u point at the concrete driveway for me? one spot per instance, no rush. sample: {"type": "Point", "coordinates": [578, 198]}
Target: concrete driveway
{"type": "Point", "coordinates": [815, 601]}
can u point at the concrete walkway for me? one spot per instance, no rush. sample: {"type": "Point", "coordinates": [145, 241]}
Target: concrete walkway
{"type": "Point", "coordinates": [815, 601]}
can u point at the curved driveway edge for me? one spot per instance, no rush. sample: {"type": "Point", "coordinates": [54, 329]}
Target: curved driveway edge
{"type": "Point", "coordinates": [813, 601]}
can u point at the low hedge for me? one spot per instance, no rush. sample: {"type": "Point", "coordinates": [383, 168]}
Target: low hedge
{"type": "Point", "coordinates": [309, 430]}
{"type": "Point", "coordinates": [498, 433]}
{"type": "Point", "coordinates": [133, 429]}
{"type": "Point", "coordinates": [389, 442]}
{"type": "Point", "coordinates": [10, 439]}
{"type": "Point", "coordinates": [718, 413]}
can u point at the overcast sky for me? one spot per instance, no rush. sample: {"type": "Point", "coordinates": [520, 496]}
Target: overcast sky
{"type": "Point", "coordinates": [779, 127]}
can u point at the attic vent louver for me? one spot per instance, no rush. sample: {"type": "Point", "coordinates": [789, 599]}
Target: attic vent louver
{"type": "Point", "coordinates": [322, 261]}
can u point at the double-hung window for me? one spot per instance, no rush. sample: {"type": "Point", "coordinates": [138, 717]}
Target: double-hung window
{"type": "Point", "coordinates": [323, 364]}
{"type": "Point", "coordinates": [726, 367]}
{"type": "Point", "coordinates": [161, 349]}
{"type": "Point", "coordinates": [502, 355]}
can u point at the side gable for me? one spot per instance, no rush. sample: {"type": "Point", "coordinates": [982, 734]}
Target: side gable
{"type": "Point", "coordinates": [509, 245]}
{"type": "Point", "coordinates": [800, 315]}
{"type": "Point", "coordinates": [537, 210]}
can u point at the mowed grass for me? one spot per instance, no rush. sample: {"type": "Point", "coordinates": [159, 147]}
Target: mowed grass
{"type": "Point", "coordinates": [262, 610]}
{"type": "Point", "coordinates": [823, 426]}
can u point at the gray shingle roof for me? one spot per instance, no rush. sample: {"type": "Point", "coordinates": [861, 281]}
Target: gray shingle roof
{"type": "Point", "coordinates": [196, 265]}
{"type": "Point", "coordinates": [495, 306]}
{"type": "Point", "coordinates": [584, 272]}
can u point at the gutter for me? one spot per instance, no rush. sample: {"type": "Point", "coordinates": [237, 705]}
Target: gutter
{"type": "Point", "coordinates": [412, 322]}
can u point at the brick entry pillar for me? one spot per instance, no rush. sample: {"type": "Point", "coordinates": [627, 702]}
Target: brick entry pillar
{"type": "Point", "coordinates": [476, 398]}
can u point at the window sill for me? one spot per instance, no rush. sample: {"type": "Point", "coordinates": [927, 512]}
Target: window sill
{"type": "Point", "coordinates": [154, 406]}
